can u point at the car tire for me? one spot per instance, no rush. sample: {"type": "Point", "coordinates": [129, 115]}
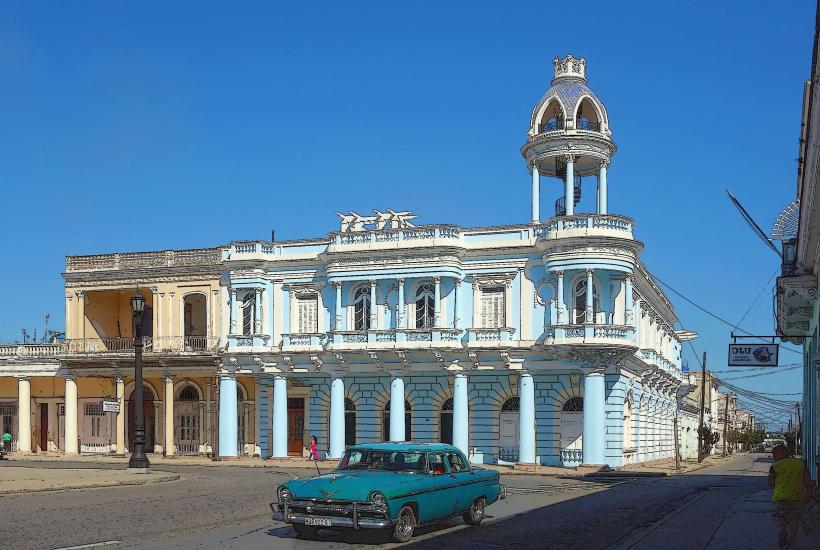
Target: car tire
{"type": "Point", "coordinates": [475, 514]}
{"type": "Point", "coordinates": [303, 530]}
{"type": "Point", "coordinates": [405, 525]}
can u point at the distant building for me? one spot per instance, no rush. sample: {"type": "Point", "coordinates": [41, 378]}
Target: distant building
{"type": "Point", "coordinates": [541, 342]}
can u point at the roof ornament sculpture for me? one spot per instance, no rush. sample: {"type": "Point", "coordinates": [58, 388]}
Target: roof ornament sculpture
{"type": "Point", "coordinates": [381, 220]}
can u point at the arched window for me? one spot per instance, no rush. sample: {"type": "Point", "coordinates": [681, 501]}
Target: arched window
{"type": "Point", "coordinates": [574, 404]}
{"type": "Point", "coordinates": [587, 117]}
{"type": "Point", "coordinates": [511, 405]}
{"type": "Point", "coordinates": [628, 444]}
{"type": "Point", "coordinates": [581, 302]}
{"type": "Point", "coordinates": [408, 417]}
{"type": "Point", "coordinates": [350, 422]}
{"type": "Point", "coordinates": [425, 306]}
{"type": "Point", "coordinates": [446, 421]}
{"type": "Point", "coordinates": [553, 118]}
{"type": "Point", "coordinates": [361, 309]}
{"type": "Point", "coordinates": [248, 313]}
{"type": "Point", "coordinates": [188, 393]}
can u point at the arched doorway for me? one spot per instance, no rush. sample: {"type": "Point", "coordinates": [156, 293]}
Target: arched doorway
{"type": "Point", "coordinates": [187, 421]}
{"type": "Point", "coordinates": [148, 398]}
{"type": "Point", "coordinates": [446, 422]}
{"type": "Point", "coordinates": [408, 416]}
{"type": "Point", "coordinates": [196, 322]}
{"type": "Point", "coordinates": [508, 431]}
{"type": "Point", "coordinates": [572, 429]}
{"type": "Point", "coordinates": [350, 422]}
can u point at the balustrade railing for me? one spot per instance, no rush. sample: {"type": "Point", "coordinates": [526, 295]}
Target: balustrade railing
{"type": "Point", "coordinates": [589, 333]}
{"type": "Point", "coordinates": [572, 457]}
{"type": "Point", "coordinates": [501, 334]}
{"type": "Point", "coordinates": [508, 454]}
{"type": "Point", "coordinates": [150, 344]}
{"type": "Point", "coordinates": [131, 260]}
{"type": "Point", "coordinates": [444, 232]}
{"type": "Point", "coordinates": [32, 350]}
{"type": "Point", "coordinates": [186, 448]}
{"type": "Point", "coordinates": [95, 448]}
{"type": "Point", "coordinates": [593, 223]}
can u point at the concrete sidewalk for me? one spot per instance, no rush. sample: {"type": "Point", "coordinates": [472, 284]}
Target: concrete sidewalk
{"type": "Point", "coordinates": [301, 465]}
{"type": "Point", "coordinates": [30, 479]}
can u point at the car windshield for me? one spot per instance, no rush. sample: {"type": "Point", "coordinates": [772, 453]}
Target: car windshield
{"type": "Point", "coordinates": [372, 459]}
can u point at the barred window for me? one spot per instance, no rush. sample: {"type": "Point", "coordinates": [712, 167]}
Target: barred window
{"type": "Point", "coordinates": [361, 309]}
{"type": "Point", "coordinates": [425, 306]}
{"type": "Point", "coordinates": [8, 408]}
{"type": "Point", "coordinates": [93, 409]}
{"type": "Point", "coordinates": [249, 313]}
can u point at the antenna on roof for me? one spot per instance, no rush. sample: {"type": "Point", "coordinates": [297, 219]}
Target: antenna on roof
{"type": "Point", "coordinates": [753, 225]}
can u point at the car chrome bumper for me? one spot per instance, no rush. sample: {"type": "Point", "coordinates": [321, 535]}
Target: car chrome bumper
{"type": "Point", "coordinates": [355, 522]}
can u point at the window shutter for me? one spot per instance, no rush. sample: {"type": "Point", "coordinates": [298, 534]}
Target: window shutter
{"type": "Point", "coordinates": [492, 307]}
{"type": "Point", "coordinates": [307, 312]}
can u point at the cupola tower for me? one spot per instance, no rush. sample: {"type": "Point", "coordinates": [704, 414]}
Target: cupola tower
{"type": "Point", "coordinates": [569, 138]}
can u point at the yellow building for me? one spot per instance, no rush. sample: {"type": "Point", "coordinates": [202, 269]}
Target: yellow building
{"type": "Point", "coordinates": [60, 388]}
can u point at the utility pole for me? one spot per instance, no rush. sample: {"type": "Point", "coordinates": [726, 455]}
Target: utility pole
{"type": "Point", "coordinates": [799, 435]}
{"type": "Point", "coordinates": [677, 442]}
{"type": "Point", "coordinates": [725, 422]}
{"type": "Point", "coordinates": [702, 407]}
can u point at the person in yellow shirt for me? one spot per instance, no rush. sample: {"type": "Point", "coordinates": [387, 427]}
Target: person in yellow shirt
{"type": "Point", "coordinates": [790, 480]}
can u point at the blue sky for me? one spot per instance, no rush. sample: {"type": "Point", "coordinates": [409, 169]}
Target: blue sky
{"type": "Point", "coordinates": [174, 125]}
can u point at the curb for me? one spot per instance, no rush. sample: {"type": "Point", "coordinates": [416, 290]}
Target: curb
{"type": "Point", "coordinates": [118, 483]}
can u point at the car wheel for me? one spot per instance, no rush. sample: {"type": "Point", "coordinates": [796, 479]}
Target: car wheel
{"type": "Point", "coordinates": [305, 530]}
{"type": "Point", "coordinates": [405, 525]}
{"type": "Point", "coordinates": [475, 514]}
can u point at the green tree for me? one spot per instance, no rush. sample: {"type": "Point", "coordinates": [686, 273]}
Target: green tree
{"type": "Point", "coordinates": [710, 439]}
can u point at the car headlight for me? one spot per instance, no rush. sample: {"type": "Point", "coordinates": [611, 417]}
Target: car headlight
{"type": "Point", "coordinates": [284, 494]}
{"type": "Point", "coordinates": [378, 500]}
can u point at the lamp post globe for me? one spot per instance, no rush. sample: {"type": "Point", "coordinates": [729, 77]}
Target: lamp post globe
{"type": "Point", "coordinates": [138, 460]}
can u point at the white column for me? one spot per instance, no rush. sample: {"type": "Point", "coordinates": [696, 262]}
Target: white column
{"type": "Point", "coordinates": [456, 291]}
{"type": "Point", "coordinates": [401, 321]}
{"type": "Point", "coordinates": [280, 417]}
{"type": "Point", "coordinates": [337, 323]}
{"type": "Point", "coordinates": [257, 314]}
{"type": "Point", "coordinates": [437, 301]}
{"type": "Point", "coordinates": [461, 424]}
{"type": "Point", "coordinates": [397, 410]}
{"type": "Point", "coordinates": [168, 403]}
{"type": "Point", "coordinates": [590, 312]}
{"type": "Point", "coordinates": [594, 442]}
{"type": "Point", "coordinates": [569, 186]}
{"type": "Point", "coordinates": [23, 415]}
{"type": "Point", "coordinates": [337, 418]}
{"type": "Point", "coordinates": [526, 420]}
{"type": "Point", "coordinates": [373, 317]}
{"type": "Point", "coordinates": [602, 200]}
{"type": "Point", "coordinates": [71, 447]}
{"type": "Point", "coordinates": [120, 385]}
{"type": "Point", "coordinates": [629, 316]}
{"type": "Point", "coordinates": [234, 312]}
{"type": "Point", "coordinates": [560, 298]}
{"type": "Point", "coordinates": [536, 192]}
{"type": "Point", "coordinates": [228, 416]}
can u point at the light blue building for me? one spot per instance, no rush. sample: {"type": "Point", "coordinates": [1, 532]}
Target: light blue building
{"type": "Point", "coordinates": [544, 342]}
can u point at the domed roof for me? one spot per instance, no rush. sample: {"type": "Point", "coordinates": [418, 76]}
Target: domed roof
{"type": "Point", "coordinates": [569, 86]}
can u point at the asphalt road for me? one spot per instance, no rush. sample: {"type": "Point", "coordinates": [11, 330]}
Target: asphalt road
{"type": "Point", "coordinates": [227, 507]}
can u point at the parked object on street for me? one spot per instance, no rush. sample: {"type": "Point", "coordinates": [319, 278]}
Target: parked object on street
{"type": "Point", "coordinates": [389, 485]}
{"type": "Point", "coordinates": [5, 444]}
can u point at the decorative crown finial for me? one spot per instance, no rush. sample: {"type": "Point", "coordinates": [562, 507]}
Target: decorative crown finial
{"type": "Point", "coordinates": [570, 67]}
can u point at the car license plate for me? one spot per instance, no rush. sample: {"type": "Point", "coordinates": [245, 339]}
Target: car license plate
{"type": "Point", "coordinates": [319, 522]}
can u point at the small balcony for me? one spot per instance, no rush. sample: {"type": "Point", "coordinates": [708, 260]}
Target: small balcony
{"type": "Point", "coordinates": [157, 345]}
{"type": "Point", "coordinates": [591, 334]}
{"type": "Point", "coordinates": [489, 337]}
{"type": "Point", "coordinates": [31, 350]}
{"type": "Point", "coordinates": [303, 341]}
{"type": "Point", "coordinates": [248, 342]}
{"type": "Point", "coordinates": [587, 225]}
{"type": "Point", "coordinates": [654, 358]}
{"type": "Point", "coordinates": [395, 338]}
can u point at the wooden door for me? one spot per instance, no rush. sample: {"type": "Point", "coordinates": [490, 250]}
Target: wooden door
{"type": "Point", "coordinates": [44, 427]}
{"type": "Point", "coordinates": [296, 425]}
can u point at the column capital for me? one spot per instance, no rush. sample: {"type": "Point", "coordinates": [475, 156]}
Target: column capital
{"type": "Point", "coordinates": [589, 271]}
{"type": "Point", "coordinates": [167, 376]}
{"type": "Point", "coordinates": [568, 158]}
{"type": "Point", "coordinates": [154, 290]}
{"type": "Point", "coordinates": [603, 163]}
{"type": "Point", "coordinates": [559, 273]}
{"type": "Point", "coordinates": [437, 279]}
{"type": "Point", "coordinates": [21, 377]}
{"type": "Point", "coordinates": [371, 282]}
{"type": "Point", "coordinates": [336, 284]}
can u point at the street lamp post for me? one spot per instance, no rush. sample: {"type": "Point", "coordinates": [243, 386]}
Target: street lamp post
{"type": "Point", "coordinates": [138, 460]}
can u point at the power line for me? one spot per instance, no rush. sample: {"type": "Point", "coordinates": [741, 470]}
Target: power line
{"type": "Point", "coordinates": [721, 319]}
{"type": "Point", "coordinates": [759, 294]}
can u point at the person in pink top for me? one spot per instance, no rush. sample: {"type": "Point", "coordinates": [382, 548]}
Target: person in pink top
{"type": "Point", "coordinates": [313, 454]}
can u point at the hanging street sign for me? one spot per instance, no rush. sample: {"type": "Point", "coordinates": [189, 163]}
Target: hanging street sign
{"type": "Point", "coordinates": [753, 355]}
{"type": "Point", "coordinates": [111, 406]}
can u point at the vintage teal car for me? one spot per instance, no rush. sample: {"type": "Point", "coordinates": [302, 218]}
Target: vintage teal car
{"type": "Point", "coordinates": [389, 485]}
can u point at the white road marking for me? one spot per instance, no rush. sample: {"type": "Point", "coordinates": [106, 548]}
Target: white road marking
{"type": "Point", "coordinates": [93, 545]}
